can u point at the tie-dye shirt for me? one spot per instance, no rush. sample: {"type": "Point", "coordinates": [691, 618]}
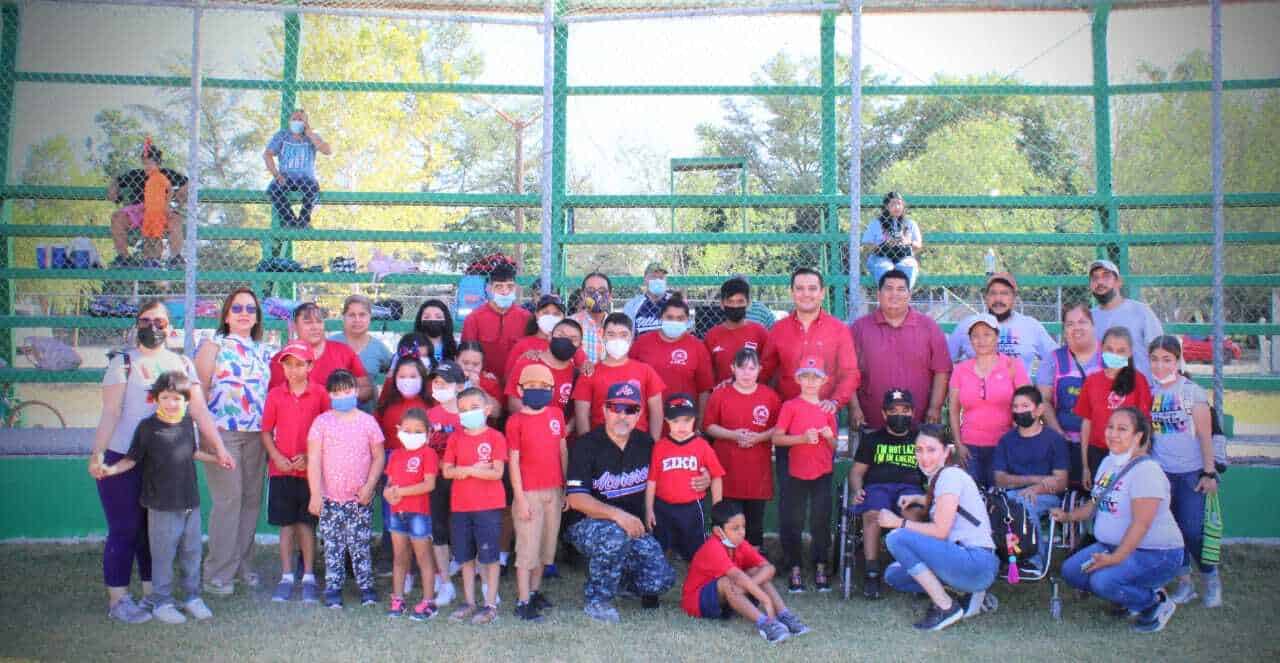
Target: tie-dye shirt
{"type": "Point", "coordinates": [238, 389]}
{"type": "Point", "coordinates": [1173, 429]}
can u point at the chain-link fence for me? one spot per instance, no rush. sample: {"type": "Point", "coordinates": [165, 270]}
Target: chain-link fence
{"type": "Point", "coordinates": [389, 148]}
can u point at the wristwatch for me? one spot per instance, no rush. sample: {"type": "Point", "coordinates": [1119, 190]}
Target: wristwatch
{"type": "Point", "coordinates": [1209, 475]}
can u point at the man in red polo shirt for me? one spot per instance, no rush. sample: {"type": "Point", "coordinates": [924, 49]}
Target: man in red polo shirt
{"type": "Point", "coordinates": [899, 348]}
{"type": "Point", "coordinates": [499, 324]}
{"type": "Point", "coordinates": [308, 320]}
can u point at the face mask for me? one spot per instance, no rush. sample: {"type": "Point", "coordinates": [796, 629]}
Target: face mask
{"type": "Point", "coordinates": [409, 386]}
{"type": "Point", "coordinates": [443, 395]}
{"type": "Point", "coordinates": [735, 313]}
{"type": "Point", "coordinates": [182, 412]}
{"type": "Point", "coordinates": [536, 399]}
{"type": "Point", "coordinates": [150, 338]}
{"type": "Point", "coordinates": [898, 423]}
{"type": "Point", "coordinates": [563, 349]}
{"type": "Point", "coordinates": [598, 301]}
{"type": "Point", "coordinates": [727, 543]}
{"type": "Point", "coordinates": [412, 441]}
{"type": "Point", "coordinates": [1106, 297]}
{"type": "Point", "coordinates": [1171, 378]}
{"type": "Point", "coordinates": [344, 403]}
{"type": "Point", "coordinates": [1113, 360]}
{"type": "Point", "coordinates": [674, 328]}
{"type": "Point", "coordinates": [432, 328]}
{"type": "Point", "coordinates": [617, 347]}
{"type": "Point", "coordinates": [296, 126]}
{"type": "Point", "coordinates": [548, 322]}
{"type": "Point", "coordinates": [472, 418]}
{"type": "Point", "coordinates": [1122, 459]}
{"type": "Point", "coordinates": [504, 301]}
{"type": "Point", "coordinates": [657, 287]}
{"type": "Point", "coordinates": [1024, 419]}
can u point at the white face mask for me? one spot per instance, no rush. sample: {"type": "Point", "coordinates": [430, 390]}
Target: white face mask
{"type": "Point", "coordinates": [1122, 459]}
{"type": "Point", "coordinates": [546, 323]}
{"type": "Point", "coordinates": [443, 395]}
{"type": "Point", "coordinates": [412, 441]}
{"type": "Point", "coordinates": [1171, 378]}
{"type": "Point", "coordinates": [297, 126]}
{"type": "Point", "coordinates": [409, 387]}
{"type": "Point", "coordinates": [727, 543]}
{"type": "Point", "coordinates": [617, 347]}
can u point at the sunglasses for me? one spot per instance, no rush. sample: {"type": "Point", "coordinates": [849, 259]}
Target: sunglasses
{"type": "Point", "coordinates": [623, 408]}
{"type": "Point", "coordinates": [154, 323]}
{"type": "Point", "coordinates": [244, 308]}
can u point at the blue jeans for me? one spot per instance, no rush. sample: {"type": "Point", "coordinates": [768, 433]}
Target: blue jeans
{"type": "Point", "coordinates": [965, 568]}
{"type": "Point", "coordinates": [1188, 510]}
{"type": "Point", "coordinates": [878, 265]}
{"type": "Point", "coordinates": [279, 195]}
{"type": "Point", "coordinates": [982, 466]}
{"type": "Point", "coordinates": [1037, 508]}
{"type": "Point", "coordinates": [1131, 583]}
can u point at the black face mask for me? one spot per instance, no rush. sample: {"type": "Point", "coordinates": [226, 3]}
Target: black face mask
{"type": "Point", "coordinates": [1024, 419]}
{"type": "Point", "coordinates": [432, 328]}
{"type": "Point", "coordinates": [563, 349]}
{"type": "Point", "coordinates": [150, 338]}
{"type": "Point", "coordinates": [898, 423]}
{"type": "Point", "coordinates": [1106, 297]}
{"type": "Point", "coordinates": [735, 313]}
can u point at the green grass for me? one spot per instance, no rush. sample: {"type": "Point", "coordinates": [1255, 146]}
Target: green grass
{"type": "Point", "coordinates": [52, 608]}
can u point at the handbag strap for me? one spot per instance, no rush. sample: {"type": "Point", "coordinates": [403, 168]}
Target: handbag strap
{"type": "Point", "coordinates": [1106, 492]}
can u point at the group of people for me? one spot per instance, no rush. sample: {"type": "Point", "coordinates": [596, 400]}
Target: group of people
{"type": "Point", "coordinates": [606, 430]}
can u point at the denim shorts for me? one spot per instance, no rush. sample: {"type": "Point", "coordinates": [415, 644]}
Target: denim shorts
{"type": "Point", "coordinates": [416, 526]}
{"type": "Point", "coordinates": [885, 496]}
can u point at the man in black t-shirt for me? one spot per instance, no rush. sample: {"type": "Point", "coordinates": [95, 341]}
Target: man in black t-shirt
{"type": "Point", "coordinates": [128, 190]}
{"type": "Point", "coordinates": [884, 469]}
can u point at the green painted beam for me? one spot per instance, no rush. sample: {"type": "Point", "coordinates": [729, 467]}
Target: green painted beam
{"type": "Point", "coordinates": [277, 86]}
{"type": "Point", "coordinates": [27, 192]}
{"type": "Point", "coordinates": [228, 276]}
{"type": "Point", "coordinates": [12, 29]}
{"type": "Point", "coordinates": [89, 322]}
{"type": "Point", "coordinates": [1195, 86]}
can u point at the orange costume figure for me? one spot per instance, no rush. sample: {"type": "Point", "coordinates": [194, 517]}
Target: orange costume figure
{"type": "Point", "coordinates": [155, 200]}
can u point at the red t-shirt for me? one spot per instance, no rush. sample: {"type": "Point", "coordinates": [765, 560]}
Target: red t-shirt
{"type": "Point", "coordinates": [289, 418]}
{"type": "Point", "coordinates": [497, 332]}
{"type": "Point", "coordinates": [748, 473]}
{"type": "Point", "coordinates": [713, 561]}
{"type": "Point", "coordinates": [673, 466]}
{"type": "Point", "coordinates": [723, 343]}
{"type": "Point", "coordinates": [533, 343]}
{"type": "Point", "coordinates": [1096, 403]}
{"type": "Point", "coordinates": [406, 468]}
{"type": "Point", "coordinates": [683, 364]}
{"type": "Point", "coordinates": [336, 355]}
{"type": "Point", "coordinates": [464, 450]}
{"type": "Point", "coordinates": [390, 417]}
{"type": "Point", "coordinates": [561, 393]}
{"type": "Point", "coordinates": [537, 437]}
{"type": "Point", "coordinates": [595, 387]}
{"type": "Point", "coordinates": [443, 424]}
{"type": "Point", "coordinates": [807, 461]}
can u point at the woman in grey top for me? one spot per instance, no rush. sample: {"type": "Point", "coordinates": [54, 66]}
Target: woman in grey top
{"type": "Point", "coordinates": [125, 403]}
{"type": "Point", "coordinates": [952, 546]}
{"type": "Point", "coordinates": [1139, 547]}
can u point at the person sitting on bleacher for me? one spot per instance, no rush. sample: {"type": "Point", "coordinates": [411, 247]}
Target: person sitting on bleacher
{"type": "Point", "coordinates": [884, 470]}
{"type": "Point", "coordinates": [295, 148]}
{"type": "Point", "coordinates": [895, 238]}
{"type": "Point", "coordinates": [1031, 464]}
{"type": "Point", "coordinates": [129, 189]}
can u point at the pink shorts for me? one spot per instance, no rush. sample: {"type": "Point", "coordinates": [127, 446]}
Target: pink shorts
{"type": "Point", "coordinates": [134, 212]}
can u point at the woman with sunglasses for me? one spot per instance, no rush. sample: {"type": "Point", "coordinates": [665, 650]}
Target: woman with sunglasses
{"type": "Point", "coordinates": [235, 368]}
{"type": "Point", "coordinates": [125, 403]}
{"type": "Point", "coordinates": [981, 399]}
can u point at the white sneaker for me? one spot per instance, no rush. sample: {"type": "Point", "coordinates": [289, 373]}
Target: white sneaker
{"type": "Point", "coordinates": [1185, 591]}
{"type": "Point", "coordinates": [445, 593]}
{"type": "Point", "coordinates": [408, 584]}
{"type": "Point", "coordinates": [169, 614]}
{"type": "Point", "coordinates": [1213, 590]}
{"type": "Point", "coordinates": [484, 591]}
{"type": "Point", "coordinates": [197, 608]}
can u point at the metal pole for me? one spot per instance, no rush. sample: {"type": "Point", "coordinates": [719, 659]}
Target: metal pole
{"type": "Point", "coordinates": [1219, 222]}
{"type": "Point", "coordinates": [855, 161]}
{"type": "Point", "coordinates": [548, 137]}
{"type": "Point", "coordinates": [193, 191]}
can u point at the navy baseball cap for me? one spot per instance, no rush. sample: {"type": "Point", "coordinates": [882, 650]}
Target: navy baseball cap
{"type": "Point", "coordinates": [450, 371]}
{"type": "Point", "coordinates": [680, 405]}
{"type": "Point", "coordinates": [897, 396]}
{"type": "Point", "coordinates": [623, 392]}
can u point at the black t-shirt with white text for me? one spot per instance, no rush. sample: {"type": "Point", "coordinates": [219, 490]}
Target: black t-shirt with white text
{"type": "Point", "coordinates": [892, 459]}
{"type": "Point", "coordinates": [614, 476]}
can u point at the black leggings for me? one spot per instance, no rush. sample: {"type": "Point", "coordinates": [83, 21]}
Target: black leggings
{"type": "Point", "coordinates": [816, 493]}
{"type": "Point", "coordinates": [753, 510]}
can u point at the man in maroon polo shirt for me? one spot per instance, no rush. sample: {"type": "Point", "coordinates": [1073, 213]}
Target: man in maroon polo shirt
{"type": "Point", "coordinates": [499, 324]}
{"type": "Point", "coordinates": [900, 349]}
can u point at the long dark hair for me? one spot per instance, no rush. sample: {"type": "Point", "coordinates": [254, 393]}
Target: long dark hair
{"type": "Point", "coordinates": [957, 456]}
{"type": "Point", "coordinates": [1170, 344]}
{"type": "Point", "coordinates": [448, 346]}
{"type": "Point", "coordinates": [391, 391]}
{"type": "Point", "coordinates": [886, 219]}
{"type": "Point", "coordinates": [1127, 379]}
{"type": "Point", "coordinates": [225, 329]}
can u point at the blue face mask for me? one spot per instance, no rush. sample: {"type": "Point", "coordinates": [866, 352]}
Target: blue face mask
{"type": "Point", "coordinates": [472, 418]}
{"type": "Point", "coordinates": [1113, 360]}
{"type": "Point", "coordinates": [658, 287]}
{"type": "Point", "coordinates": [343, 403]}
{"type": "Point", "coordinates": [296, 126]}
{"type": "Point", "coordinates": [504, 301]}
{"type": "Point", "coordinates": [674, 328]}
{"type": "Point", "coordinates": [536, 399]}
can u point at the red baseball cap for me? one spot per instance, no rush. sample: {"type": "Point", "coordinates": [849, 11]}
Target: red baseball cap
{"type": "Point", "coordinates": [298, 349]}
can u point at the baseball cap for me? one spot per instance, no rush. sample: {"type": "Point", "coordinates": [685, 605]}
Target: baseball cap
{"type": "Point", "coordinates": [535, 374]}
{"type": "Point", "coordinates": [655, 266]}
{"type": "Point", "coordinates": [1003, 277]}
{"type": "Point", "coordinates": [450, 371]}
{"type": "Point", "coordinates": [680, 405]}
{"type": "Point", "coordinates": [982, 318]}
{"type": "Point", "coordinates": [623, 392]}
{"type": "Point", "coordinates": [897, 396]}
{"type": "Point", "coordinates": [811, 365]}
{"type": "Point", "coordinates": [297, 349]}
{"type": "Point", "coordinates": [550, 300]}
{"type": "Point", "coordinates": [1105, 264]}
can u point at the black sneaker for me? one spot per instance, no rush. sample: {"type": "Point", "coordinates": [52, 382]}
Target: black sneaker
{"type": "Point", "coordinates": [820, 580]}
{"type": "Point", "coordinates": [796, 585]}
{"type": "Point", "coordinates": [527, 612]}
{"type": "Point", "coordinates": [368, 597]}
{"type": "Point", "coordinates": [125, 262]}
{"type": "Point", "coordinates": [1153, 619]}
{"type": "Point", "coordinates": [333, 599]}
{"type": "Point", "coordinates": [539, 601]}
{"type": "Point", "coordinates": [937, 619]}
{"type": "Point", "coordinates": [649, 602]}
{"type": "Point", "coordinates": [871, 586]}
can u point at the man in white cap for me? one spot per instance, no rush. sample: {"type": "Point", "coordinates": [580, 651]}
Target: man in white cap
{"type": "Point", "coordinates": [1114, 310]}
{"type": "Point", "coordinates": [1021, 336]}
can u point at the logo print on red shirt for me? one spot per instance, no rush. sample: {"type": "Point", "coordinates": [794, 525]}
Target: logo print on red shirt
{"type": "Point", "coordinates": [414, 464]}
{"type": "Point", "coordinates": [679, 357]}
{"type": "Point", "coordinates": [760, 415]}
{"type": "Point", "coordinates": [1114, 400]}
{"type": "Point", "coordinates": [555, 427]}
{"type": "Point", "coordinates": [484, 451]}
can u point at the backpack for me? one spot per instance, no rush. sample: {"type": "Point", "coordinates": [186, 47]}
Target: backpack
{"type": "Point", "coordinates": [1008, 517]}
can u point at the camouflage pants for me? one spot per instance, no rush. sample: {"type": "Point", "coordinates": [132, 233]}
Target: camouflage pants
{"type": "Point", "coordinates": [616, 560]}
{"type": "Point", "coordinates": [345, 528]}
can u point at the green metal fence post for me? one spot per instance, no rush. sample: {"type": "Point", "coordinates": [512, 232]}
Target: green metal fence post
{"type": "Point", "coordinates": [273, 247]}
{"type": "Point", "coordinates": [1109, 211]}
{"type": "Point", "coordinates": [11, 27]}
{"type": "Point", "coordinates": [832, 250]}
{"type": "Point", "coordinates": [559, 99]}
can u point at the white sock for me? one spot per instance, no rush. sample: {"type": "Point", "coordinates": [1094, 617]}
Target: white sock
{"type": "Point", "coordinates": [502, 558]}
{"type": "Point", "coordinates": [309, 578]}
{"type": "Point", "coordinates": [286, 577]}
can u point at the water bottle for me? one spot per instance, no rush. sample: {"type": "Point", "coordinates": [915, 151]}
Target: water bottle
{"type": "Point", "coordinates": [1055, 602]}
{"type": "Point", "coordinates": [990, 260]}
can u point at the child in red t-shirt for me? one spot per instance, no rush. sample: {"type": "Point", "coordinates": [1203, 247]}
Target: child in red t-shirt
{"type": "Point", "coordinates": [810, 432]}
{"type": "Point", "coordinates": [474, 460]}
{"type": "Point", "coordinates": [446, 380]}
{"type": "Point", "coordinates": [411, 474]}
{"type": "Point", "coordinates": [1119, 384]}
{"type": "Point", "coordinates": [403, 391]}
{"type": "Point", "coordinates": [673, 510]}
{"type": "Point", "coordinates": [539, 460]}
{"type": "Point", "coordinates": [287, 416]}
{"type": "Point", "coordinates": [728, 572]}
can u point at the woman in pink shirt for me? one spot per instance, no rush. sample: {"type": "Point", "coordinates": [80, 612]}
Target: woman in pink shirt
{"type": "Point", "coordinates": [981, 395]}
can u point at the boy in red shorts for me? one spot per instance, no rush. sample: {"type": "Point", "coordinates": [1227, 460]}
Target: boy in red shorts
{"type": "Point", "coordinates": [673, 509]}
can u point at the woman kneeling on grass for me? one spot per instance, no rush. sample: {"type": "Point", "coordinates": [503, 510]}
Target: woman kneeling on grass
{"type": "Point", "coordinates": [1139, 547]}
{"type": "Point", "coordinates": [953, 546]}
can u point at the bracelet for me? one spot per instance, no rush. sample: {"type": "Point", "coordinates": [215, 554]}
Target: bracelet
{"type": "Point", "coordinates": [1209, 475]}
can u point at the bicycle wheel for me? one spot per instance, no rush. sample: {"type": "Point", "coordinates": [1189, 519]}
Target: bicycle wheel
{"type": "Point", "coordinates": [35, 414]}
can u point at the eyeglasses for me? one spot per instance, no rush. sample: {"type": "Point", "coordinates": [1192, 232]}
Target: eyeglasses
{"type": "Point", "coordinates": [623, 409]}
{"type": "Point", "coordinates": [154, 323]}
{"type": "Point", "coordinates": [244, 308]}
